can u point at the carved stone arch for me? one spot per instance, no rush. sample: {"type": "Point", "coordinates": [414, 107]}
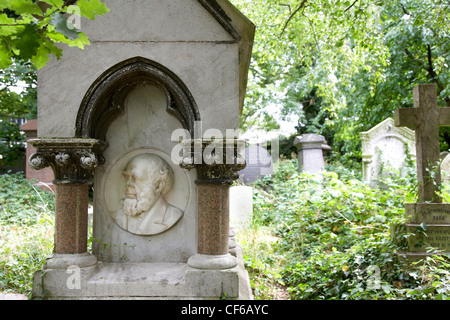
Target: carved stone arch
{"type": "Point", "coordinates": [104, 100]}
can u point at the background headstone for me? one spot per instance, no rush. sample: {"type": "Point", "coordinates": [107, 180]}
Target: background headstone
{"type": "Point", "coordinates": [445, 169]}
{"type": "Point", "coordinates": [259, 164]}
{"type": "Point", "coordinates": [311, 148]}
{"type": "Point", "coordinates": [385, 147]}
{"type": "Point", "coordinates": [241, 205]}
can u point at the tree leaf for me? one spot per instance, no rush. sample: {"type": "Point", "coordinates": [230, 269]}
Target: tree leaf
{"type": "Point", "coordinates": [21, 7]}
{"type": "Point", "coordinates": [5, 55]}
{"type": "Point", "coordinates": [63, 26]}
{"type": "Point", "coordinates": [41, 57]}
{"type": "Point", "coordinates": [91, 8]}
{"type": "Point", "coordinates": [54, 3]}
{"type": "Point", "coordinates": [4, 19]}
{"type": "Point", "coordinates": [27, 42]}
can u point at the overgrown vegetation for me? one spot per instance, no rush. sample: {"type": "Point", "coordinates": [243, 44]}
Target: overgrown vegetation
{"type": "Point", "coordinates": [309, 237]}
{"type": "Point", "coordinates": [338, 68]}
{"type": "Point", "coordinates": [26, 232]}
{"type": "Point", "coordinates": [330, 238]}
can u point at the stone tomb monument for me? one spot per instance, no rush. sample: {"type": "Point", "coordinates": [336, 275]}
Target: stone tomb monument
{"type": "Point", "coordinates": [426, 117]}
{"type": "Point", "coordinates": [132, 112]}
{"type": "Point", "coordinates": [385, 147]}
{"type": "Point", "coordinates": [310, 150]}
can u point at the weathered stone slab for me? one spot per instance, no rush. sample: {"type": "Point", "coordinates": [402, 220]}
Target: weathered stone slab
{"type": "Point", "coordinates": [241, 205]}
{"type": "Point", "coordinates": [445, 169]}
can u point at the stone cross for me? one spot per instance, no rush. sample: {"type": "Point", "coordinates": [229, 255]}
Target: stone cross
{"type": "Point", "coordinates": [426, 117]}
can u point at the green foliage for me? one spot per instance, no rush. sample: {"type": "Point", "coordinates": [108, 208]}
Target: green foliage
{"type": "Point", "coordinates": [344, 66]}
{"type": "Point", "coordinates": [21, 203]}
{"type": "Point", "coordinates": [29, 30]}
{"type": "Point", "coordinates": [26, 232]}
{"type": "Point", "coordinates": [18, 99]}
{"type": "Point", "coordinates": [335, 238]}
{"type": "Point", "coordinates": [18, 103]}
{"type": "Point", "coordinates": [11, 143]}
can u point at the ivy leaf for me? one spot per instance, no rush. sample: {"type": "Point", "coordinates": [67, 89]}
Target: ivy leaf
{"type": "Point", "coordinates": [339, 43]}
{"type": "Point", "coordinates": [423, 227]}
{"type": "Point", "coordinates": [63, 26]}
{"type": "Point", "coordinates": [91, 8]}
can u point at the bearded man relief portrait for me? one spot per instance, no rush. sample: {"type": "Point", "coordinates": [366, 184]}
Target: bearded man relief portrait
{"type": "Point", "coordinates": [144, 209]}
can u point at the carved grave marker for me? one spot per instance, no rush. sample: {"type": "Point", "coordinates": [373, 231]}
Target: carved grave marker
{"type": "Point", "coordinates": [384, 148]}
{"type": "Point", "coordinates": [157, 79]}
{"type": "Point", "coordinates": [429, 218]}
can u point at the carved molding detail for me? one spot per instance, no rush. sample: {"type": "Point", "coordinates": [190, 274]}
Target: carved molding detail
{"type": "Point", "coordinates": [104, 101]}
{"type": "Point", "coordinates": [72, 160]}
{"type": "Point", "coordinates": [216, 161]}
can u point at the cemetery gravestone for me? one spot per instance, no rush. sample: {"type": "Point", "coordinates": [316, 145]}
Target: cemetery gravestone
{"type": "Point", "coordinates": [385, 147]}
{"type": "Point", "coordinates": [445, 169]}
{"type": "Point", "coordinates": [241, 205]}
{"type": "Point", "coordinates": [156, 78]}
{"type": "Point", "coordinates": [429, 218]}
{"type": "Point", "coordinates": [259, 164]}
{"type": "Point", "coordinates": [310, 148]}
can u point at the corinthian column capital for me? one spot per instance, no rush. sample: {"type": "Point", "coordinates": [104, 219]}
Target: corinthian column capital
{"type": "Point", "coordinates": [217, 160]}
{"type": "Point", "coordinates": [72, 160]}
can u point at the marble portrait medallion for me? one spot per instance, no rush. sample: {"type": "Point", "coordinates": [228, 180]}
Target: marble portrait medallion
{"type": "Point", "coordinates": [144, 193]}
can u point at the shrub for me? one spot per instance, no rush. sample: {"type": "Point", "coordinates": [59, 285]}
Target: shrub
{"type": "Point", "coordinates": [334, 237]}
{"type": "Point", "coordinates": [26, 232]}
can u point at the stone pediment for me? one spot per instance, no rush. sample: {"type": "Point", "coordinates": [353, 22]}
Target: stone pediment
{"type": "Point", "coordinates": [169, 20]}
{"type": "Point", "coordinates": [216, 21]}
{"type": "Point", "coordinates": [384, 129]}
{"type": "Point", "coordinates": [206, 43]}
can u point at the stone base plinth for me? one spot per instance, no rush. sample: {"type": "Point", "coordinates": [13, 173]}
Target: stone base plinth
{"type": "Point", "coordinates": [412, 257]}
{"type": "Point", "coordinates": [140, 280]}
{"type": "Point", "coordinates": [429, 227]}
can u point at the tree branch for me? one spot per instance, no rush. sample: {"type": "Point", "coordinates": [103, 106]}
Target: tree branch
{"type": "Point", "coordinates": [302, 4]}
{"type": "Point", "coordinates": [354, 2]}
{"type": "Point", "coordinates": [433, 74]}
{"type": "Point", "coordinates": [404, 9]}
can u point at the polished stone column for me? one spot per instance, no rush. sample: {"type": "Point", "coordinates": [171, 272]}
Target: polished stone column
{"type": "Point", "coordinates": [217, 163]}
{"type": "Point", "coordinates": [71, 219]}
{"type": "Point", "coordinates": [73, 162]}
